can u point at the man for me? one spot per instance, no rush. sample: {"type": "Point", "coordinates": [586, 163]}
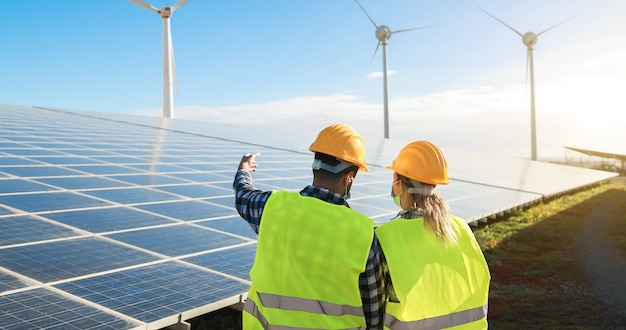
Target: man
{"type": "Point", "coordinates": [317, 263]}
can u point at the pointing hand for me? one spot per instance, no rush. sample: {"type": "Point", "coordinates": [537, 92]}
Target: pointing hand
{"type": "Point", "coordinates": [247, 162]}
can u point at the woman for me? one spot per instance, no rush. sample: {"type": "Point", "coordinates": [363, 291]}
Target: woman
{"type": "Point", "coordinates": [437, 275]}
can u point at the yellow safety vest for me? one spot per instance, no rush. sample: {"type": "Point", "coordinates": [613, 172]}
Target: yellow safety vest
{"type": "Point", "coordinates": [438, 285]}
{"type": "Point", "coordinates": [306, 270]}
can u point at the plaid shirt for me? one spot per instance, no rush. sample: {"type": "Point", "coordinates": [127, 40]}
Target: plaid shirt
{"type": "Point", "coordinates": [250, 202]}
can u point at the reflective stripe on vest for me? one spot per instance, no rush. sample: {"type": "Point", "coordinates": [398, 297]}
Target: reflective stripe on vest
{"type": "Point", "coordinates": [253, 310]}
{"type": "Point", "coordinates": [307, 305]}
{"type": "Point", "coordinates": [438, 322]}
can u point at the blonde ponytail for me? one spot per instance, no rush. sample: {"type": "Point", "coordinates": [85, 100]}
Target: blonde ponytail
{"type": "Point", "coordinates": [436, 216]}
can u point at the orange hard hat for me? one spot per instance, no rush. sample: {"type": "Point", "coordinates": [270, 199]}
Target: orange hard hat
{"type": "Point", "coordinates": [422, 161]}
{"type": "Point", "coordinates": [343, 142]}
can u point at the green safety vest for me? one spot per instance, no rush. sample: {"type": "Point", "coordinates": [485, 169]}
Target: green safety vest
{"type": "Point", "coordinates": [437, 285]}
{"type": "Point", "coordinates": [306, 269]}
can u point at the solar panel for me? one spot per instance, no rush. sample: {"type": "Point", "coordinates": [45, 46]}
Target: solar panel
{"type": "Point", "coordinates": [131, 195]}
{"type": "Point", "coordinates": [188, 210]}
{"type": "Point", "coordinates": [21, 185]}
{"type": "Point", "coordinates": [232, 225]}
{"type": "Point", "coordinates": [49, 201]}
{"type": "Point", "coordinates": [28, 228]}
{"type": "Point", "coordinates": [121, 222]}
{"type": "Point", "coordinates": [152, 292]}
{"type": "Point", "coordinates": [112, 219]}
{"type": "Point", "coordinates": [236, 261]}
{"type": "Point", "coordinates": [39, 308]}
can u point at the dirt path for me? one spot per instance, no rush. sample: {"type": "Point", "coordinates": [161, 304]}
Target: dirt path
{"type": "Point", "coordinates": [603, 264]}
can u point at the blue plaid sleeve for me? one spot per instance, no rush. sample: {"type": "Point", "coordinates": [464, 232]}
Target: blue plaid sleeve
{"type": "Point", "coordinates": [249, 201]}
{"type": "Point", "coordinates": [372, 286]}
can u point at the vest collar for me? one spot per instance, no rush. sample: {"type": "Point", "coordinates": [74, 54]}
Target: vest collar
{"type": "Point", "coordinates": [409, 214]}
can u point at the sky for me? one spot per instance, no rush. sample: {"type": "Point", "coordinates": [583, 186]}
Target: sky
{"type": "Point", "coordinates": [460, 81]}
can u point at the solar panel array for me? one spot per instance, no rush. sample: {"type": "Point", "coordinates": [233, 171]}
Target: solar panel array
{"type": "Point", "coordinates": [116, 222]}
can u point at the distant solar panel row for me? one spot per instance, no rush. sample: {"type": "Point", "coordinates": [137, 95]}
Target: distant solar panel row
{"type": "Point", "coordinates": [118, 223]}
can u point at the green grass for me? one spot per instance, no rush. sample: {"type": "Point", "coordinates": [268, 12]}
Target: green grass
{"type": "Point", "coordinates": [537, 282]}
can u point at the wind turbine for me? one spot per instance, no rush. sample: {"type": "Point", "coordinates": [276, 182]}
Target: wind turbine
{"type": "Point", "coordinates": [169, 69]}
{"type": "Point", "coordinates": [530, 39]}
{"type": "Point", "coordinates": [383, 33]}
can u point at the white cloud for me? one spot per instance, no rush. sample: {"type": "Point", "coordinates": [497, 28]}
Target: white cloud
{"type": "Point", "coordinates": [573, 112]}
{"type": "Point", "coordinates": [379, 74]}
{"type": "Point", "coordinates": [307, 112]}
{"type": "Point", "coordinates": [610, 59]}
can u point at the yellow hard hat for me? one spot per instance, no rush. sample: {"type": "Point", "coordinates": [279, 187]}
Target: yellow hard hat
{"type": "Point", "coordinates": [422, 161]}
{"type": "Point", "coordinates": [343, 142]}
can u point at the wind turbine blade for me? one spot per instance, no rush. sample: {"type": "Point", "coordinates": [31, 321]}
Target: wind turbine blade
{"type": "Point", "coordinates": [368, 16]}
{"type": "Point", "coordinates": [550, 28]}
{"type": "Point", "coordinates": [145, 5]}
{"type": "Point", "coordinates": [179, 4]}
{"type": "Point", "coordinates": [411, 29]}
{"type": "Point", "coordinates": [374, 57]}
{"type": "Point", "coordinates": [497, 19]}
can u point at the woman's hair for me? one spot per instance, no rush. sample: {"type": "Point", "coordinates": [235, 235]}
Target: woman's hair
{"type": "Point", "coordinates": [436, 213]}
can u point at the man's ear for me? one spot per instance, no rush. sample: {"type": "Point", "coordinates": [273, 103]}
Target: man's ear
{"type": "Point", "coordinates": [348, 177]}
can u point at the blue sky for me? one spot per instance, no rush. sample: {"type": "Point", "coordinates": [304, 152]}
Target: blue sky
{"type": "Point", "coordinates": [306, 64]}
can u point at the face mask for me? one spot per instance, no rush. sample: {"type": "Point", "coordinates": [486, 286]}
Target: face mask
{"type": "Point", "coordinates": [396, 200]}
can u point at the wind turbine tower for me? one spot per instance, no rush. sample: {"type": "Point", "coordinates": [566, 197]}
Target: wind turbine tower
{"type": "Point", "coordinates": [529, 39]}
{"type": "Point", "coordinates": [169, 69]}
{"type": "Point", "coordinates": [383, 33]}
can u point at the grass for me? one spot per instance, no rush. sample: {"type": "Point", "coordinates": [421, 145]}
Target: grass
{"type": "Point", "coordinates": [537, 281]}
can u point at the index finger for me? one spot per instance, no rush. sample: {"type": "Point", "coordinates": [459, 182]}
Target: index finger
{"type": "Point", "coordinates": [254, 155]}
